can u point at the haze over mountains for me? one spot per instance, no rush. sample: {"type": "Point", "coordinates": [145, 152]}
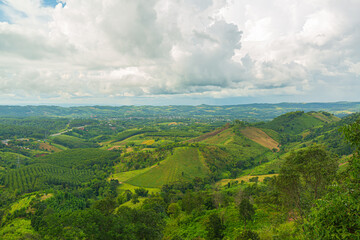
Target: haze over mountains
{"type": "Point", "coordinates": [249, 112]}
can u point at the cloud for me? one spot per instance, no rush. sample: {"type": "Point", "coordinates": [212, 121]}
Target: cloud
{"type": "Point", "coordinates": [97, 49]}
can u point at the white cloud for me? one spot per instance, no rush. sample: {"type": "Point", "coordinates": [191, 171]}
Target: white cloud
{"type": "Point", "coordinates": [105, 48]}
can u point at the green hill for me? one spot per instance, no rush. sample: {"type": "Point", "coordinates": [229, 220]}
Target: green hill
{"type": "Point", "coordinates": [295, 122]}
{"type": "Point", "coordinates": [184, 163]}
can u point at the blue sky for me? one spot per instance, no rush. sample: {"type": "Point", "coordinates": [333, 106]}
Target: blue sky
{"type": "Point", "coordinates": [50, 3]}
{"type": "Point", "coordinates": [178, 52]}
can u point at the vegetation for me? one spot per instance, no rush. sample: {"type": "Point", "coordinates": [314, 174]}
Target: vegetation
{"type": "Point", "coordinates": [182, 173]}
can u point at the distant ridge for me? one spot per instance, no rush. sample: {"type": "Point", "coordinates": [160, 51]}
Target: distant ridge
{"type": "Point", "coordinates": [247, 112]}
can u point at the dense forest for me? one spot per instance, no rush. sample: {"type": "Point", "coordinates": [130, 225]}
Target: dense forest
{"type": "Point", "coordinates": [69, 174]}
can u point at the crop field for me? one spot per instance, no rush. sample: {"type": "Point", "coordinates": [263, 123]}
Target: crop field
{"type": "Point", "coordinates": [36, 176]}
{"type": "Point", "coordinates": [260, 137]}
{"type": "Point", "coordinates": [185, 163]}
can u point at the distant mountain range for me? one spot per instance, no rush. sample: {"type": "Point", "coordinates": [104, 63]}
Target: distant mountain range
{"type": "Point", "coordinates": [248, 112]}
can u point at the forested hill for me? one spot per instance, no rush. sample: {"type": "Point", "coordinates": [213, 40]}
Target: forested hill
{"type": "Point", "coordinates": [248, 112]}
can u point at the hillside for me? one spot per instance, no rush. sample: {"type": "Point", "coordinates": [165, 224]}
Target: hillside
{"type": "Point", "coordinates": [259, 136]}
{"type": "Point", "coordinates": [325, 116]}
{"type": "Point", "coordinates": [293, 122]}
{"type": "Point", "coordinates": [184, 163]}
{"type": "Point", "coordinates": [330, 135]}
{"type": "Point", "coordinates": [223, 137]}
{"type": "Point", "coordinates": [206, 136]}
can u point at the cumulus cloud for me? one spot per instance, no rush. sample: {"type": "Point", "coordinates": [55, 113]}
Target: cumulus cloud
{"type": "Point", "coordinates": [96, 49]}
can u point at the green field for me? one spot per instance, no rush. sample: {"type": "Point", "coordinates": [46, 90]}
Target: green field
{"type": "Point", "coordinates": [124, 176]}
{"type": "Point", "coordinates": [185, 163]}
{"type": "Point", "coordinates": [126, 186]}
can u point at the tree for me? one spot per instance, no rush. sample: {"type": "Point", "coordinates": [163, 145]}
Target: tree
{"type": "Point", "coordinates": [246, 210]}
{"type": "Point", "coordinates": [106, 205]}
{"type": "Point", "coordinates": [141, 192]}
{"type": "Point", "coordinates": [336, 216]}
{"type": "Point", "coordinates": [173, 210]}
{"type": "Point", "coordinates": [304, 178]}
{"type": "Point", "coordinates": [214, 227]}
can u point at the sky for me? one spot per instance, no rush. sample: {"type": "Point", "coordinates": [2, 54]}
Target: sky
{"type": "Point", "coordinates": [184, 52]}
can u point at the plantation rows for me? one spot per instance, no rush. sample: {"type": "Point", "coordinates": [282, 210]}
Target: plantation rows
{"type": "Point", "coordinates": [38, 176]}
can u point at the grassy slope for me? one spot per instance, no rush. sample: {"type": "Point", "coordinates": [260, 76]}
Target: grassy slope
{"type": "Point", "coordinates": [124, 176]}
{"type": "Point", "coordinates": [185, 163]}
{"type": "Point", "coordinates": [244, 148]}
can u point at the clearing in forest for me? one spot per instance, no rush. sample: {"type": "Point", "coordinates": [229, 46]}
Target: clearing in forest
{"type": "Point", "coordinates": [48, 147]}
{"type": "Point", "coordinates": [184, 163]}
{"type": "Point", "coordinates": [260, 137]}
